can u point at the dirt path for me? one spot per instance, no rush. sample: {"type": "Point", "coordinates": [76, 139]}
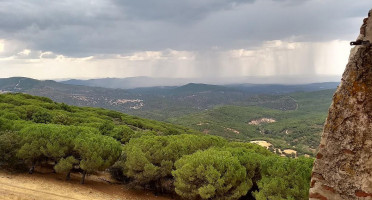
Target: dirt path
{"type": "Point", "coordinates": [53, 187]}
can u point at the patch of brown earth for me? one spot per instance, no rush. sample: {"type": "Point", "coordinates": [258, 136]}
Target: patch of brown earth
{"type": "Point", "coordinates": [54, 187]}
{"type": "Point", "coordinates": [262, 143]}
{"type": "Point", "coordinates": [261, 121]}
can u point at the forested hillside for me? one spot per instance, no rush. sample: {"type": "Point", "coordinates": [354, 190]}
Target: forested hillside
{"type": "Point", "coordinates": [231, 111]}
{"type": "Point", "coordinates": [149, 154]}
{"type": "Point", "coordinates": [162, 103]}
{"type": "Point", "coordinates": [298, 128]}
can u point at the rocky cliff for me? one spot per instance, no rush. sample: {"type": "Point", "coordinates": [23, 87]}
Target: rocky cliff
{"type": "Point", "coordinates": [343, 166]}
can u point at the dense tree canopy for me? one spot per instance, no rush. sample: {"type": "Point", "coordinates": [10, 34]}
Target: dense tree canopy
{"type": "Point", "coordinates": [9, 146]}
{"type": "Point", "coordinates": [150, 159]}
{"type": "Point", "coordinates": [96, 152]}
{"type": "Point", "coordinates": [211, 174]}
{"type": "Point", "coordinates": [46, 141]}
{"type": "Point", "coordinates": [146, 153]}
{"type": "Point", "coordinates": [284, 178]}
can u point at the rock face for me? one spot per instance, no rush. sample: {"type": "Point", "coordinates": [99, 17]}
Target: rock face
{"type": "Point", "coordinates": [343, 166]}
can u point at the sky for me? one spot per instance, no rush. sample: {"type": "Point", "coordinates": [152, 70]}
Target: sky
{"type": "Point", "coordinates": [177, 39]}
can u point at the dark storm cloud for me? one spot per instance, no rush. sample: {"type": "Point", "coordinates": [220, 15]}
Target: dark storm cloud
{"type": "Point", "coordinates": [175, 11]}
{"type": "Point", "coordinates": [83, 28]}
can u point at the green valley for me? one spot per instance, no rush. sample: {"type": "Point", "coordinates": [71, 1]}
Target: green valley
{"type": "Point", "coordinates": [298, 129]}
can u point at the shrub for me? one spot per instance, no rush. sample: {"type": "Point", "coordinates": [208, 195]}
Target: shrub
{"type": "Point", "coordinates": [106, 128]}
{"type": "Point", "coordinates": [149, 160]}
{"type": "Point", "coordinates": [96, 152]}
{"type": "Point", "coordinates": [42, 117]}
{"type": "Point", "coordinates": [284, 178]}
{"type": "Point", "coordinates": [5, 124]}
{"type": "Point", "coordinates": [62, 119]}
{"type": "Point", "coordinates": [66, 107]}
{"type": "Point", "coordinates": [9, 145]}
{"type": "Point", "coordinates": [46, 141]}
{"type": "Point", "coordinates": [65, 165]}
{"type": "Point", "coordinates": [122, 133]}
{"type": "Point", "coordinates": [210, 174]}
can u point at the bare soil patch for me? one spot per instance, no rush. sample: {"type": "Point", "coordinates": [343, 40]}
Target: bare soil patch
{"type": "Point", "coordinates": [53, 187]}
{"type": "Point", "coordinates": [289, 151]}
{"type": "Point", "coordinates": [262, 143]}
{"type": "Point", "coordinates": [261, 121]}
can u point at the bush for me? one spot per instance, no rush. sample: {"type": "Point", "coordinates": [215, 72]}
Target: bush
{"type": "Point", "coordinates": [66, 107]}
{"type": "Point", "coordinates": [62, 119]}
{"type": "Point", "coordinates": [11, 116]}
{"type": "Point", "coordinates": [285, 178]}
{"type": "Point", "coordinates": [253, 147]}
{"type": "Point", "coordinates": [46, 141]}
{"type": "Point", "coordinates": [210, 174]}
{"type": "Point", "coordinates": [149, 160]}
{"type": "Point", "coordinates": [42, 117]}
{"type": "Point", "coordinates": [27, 111]}
{"type": "Point", "coordinates": [9, 145]}
{"type": "Point", "coordinates": [106, 128]}
{"type": "Point", "coordinates": [96, 152]}
{"type": "Point", "coordinates": [136, 134]}
{"type": "Point", "coordinates": [65, 165]}
{"type": "Point", "coordinates": [68, 146]}
{"type": "Point", "coordinates": [5, 124]}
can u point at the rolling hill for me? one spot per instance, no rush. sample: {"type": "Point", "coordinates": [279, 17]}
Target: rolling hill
{"type": "Point", "coordinates": [143, 81]}
{"type": "Point", "coordinates": [225, 110]}
{"type": "Point", "coordinates": [298, 128]}
{"type": "Point", "coordinates": [161, 103]}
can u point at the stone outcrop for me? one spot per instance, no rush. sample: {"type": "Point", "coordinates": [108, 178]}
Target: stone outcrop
{"type": "Point", "coordinates": [343, 165]}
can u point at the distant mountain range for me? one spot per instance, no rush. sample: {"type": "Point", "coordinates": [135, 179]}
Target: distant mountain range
{"type": "Point", "coordinates": [127, 83]}
{"type": "Point", "coordinates": [159, 102]}
{"type": "Point", "coordinates": [136, 82]}
{"type": "Point", "coordinates": [70, 94]}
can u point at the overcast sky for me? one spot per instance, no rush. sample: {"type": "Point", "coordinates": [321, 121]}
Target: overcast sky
{"type": "Point", "coordinates": [177, 38]}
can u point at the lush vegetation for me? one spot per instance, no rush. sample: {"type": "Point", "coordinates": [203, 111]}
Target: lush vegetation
{"type": "Point", "coordinates": [217, 110]}
{"type": "Point", "coordinates": [34, 130]}
{"type": "Point", "coordinates": [145, 153]}
{"type": "Point", "coordinates": [297, 129]}
{"type": "Point", "coordinates": [209, 167]}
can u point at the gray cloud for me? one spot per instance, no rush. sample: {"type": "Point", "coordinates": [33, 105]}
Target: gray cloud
{"type": "Point", "coordinates": [83, 28]}
{"type": "Point", "coordinates": [175, 11]}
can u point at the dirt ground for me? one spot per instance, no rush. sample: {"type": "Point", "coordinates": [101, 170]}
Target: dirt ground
{"type": "Point", "coordinates": [50, 186]}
